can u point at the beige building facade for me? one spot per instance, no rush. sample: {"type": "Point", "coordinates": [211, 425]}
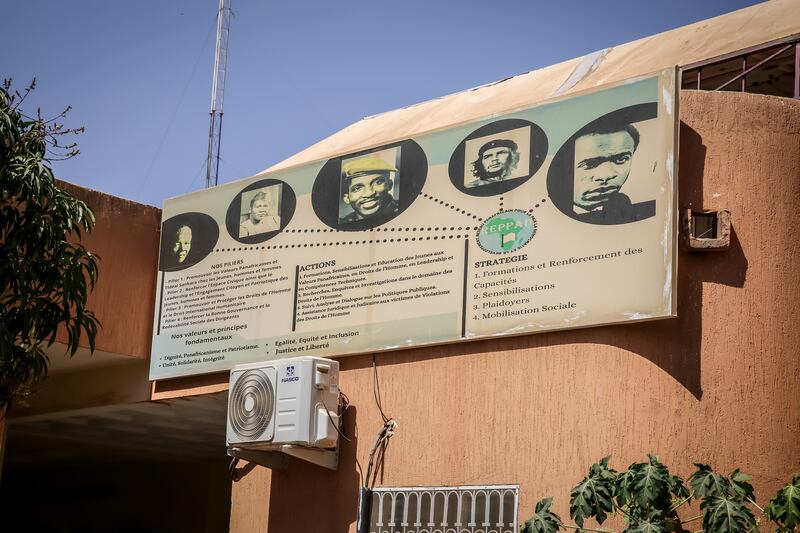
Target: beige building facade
{"type": "Point", "coordinates": [718, 384]}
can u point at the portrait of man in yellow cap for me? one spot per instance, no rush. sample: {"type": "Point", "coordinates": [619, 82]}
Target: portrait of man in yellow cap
{"type": "Point", "coordinates": [369, 186]}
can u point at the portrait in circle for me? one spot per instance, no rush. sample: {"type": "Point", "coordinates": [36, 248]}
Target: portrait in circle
{"type": "Point", "coordinates": [370, 186]}
{"type": "Point", "coordinates": [186, 239]}
{"type": "Point", "coordinates": [497, 157]}
{"type": "Point", "coordinates": [363, 190]}
{"type": "Point", "coordinates": [601, 173]}
{"type": "Point", "coordinates": [260, 210]}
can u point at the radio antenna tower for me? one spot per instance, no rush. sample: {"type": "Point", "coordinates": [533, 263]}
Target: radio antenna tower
{"type": "Point", "coordinates": [218, 92]}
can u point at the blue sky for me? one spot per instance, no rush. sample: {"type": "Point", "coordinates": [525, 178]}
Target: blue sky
{"type": "Point", "coordinates": [138, 74]}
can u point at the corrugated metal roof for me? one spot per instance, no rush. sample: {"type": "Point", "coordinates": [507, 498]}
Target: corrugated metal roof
{"type": "Point", "coordinates": [707, 39]}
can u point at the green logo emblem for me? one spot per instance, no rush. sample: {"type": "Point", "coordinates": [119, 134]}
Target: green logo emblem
{"type": "Point", "coordinates": [506, 231]}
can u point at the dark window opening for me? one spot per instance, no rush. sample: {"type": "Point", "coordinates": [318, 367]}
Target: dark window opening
{"type": "Point", "coordinates": [770, 70]}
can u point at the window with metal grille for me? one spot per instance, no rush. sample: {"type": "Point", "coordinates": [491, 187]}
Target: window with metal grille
{"type": "Point", "coordinates": [472, 509]}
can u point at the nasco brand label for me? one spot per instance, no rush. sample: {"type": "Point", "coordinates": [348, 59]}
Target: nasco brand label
{"type": "Point", "coordinates": [290, 376]}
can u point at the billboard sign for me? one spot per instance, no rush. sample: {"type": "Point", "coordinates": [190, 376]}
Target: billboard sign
{"type": "Point", "coordinates": [560, 215]}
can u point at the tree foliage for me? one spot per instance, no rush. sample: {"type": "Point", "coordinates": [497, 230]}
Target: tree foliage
{"type": "Point", "coordinates": [593, 495]}
{"type": "Point", "coordinates": [544, 520]}
{"type": "Point", "coordinates": [784, 508]}
{"type": "Point", "coordinates": [46, 274]}
{"type": "Point", "coordinates": [648, 497]}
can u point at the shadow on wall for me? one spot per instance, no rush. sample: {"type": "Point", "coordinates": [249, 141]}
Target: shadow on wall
{"type": "Point", "coordinates": [292, 486]}
{"type": "Point", "coordinates": [674, 345]}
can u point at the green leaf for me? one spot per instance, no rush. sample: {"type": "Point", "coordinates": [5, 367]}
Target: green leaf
{"type": "Point", "coordinates": [740, 484]}
{"type": "Point", "coordinates": [705, 482]}
{"type": "Point", "coordinates": [544, 520]}
{"type": "Point", "coordinates": [677, 487]}
{"type": "Point", "coordinates": [647, 526]}
{"type": "Point", "coordinates": [45, 272]}
{"type": "Point", "coordinates": [593, 496]}
{"type": "Point", "coordinates": [645, 488]}
{"type": "Point", "coordinates": [651, 484]}
{"type": "Point", "coordinates": [625, 485]}
{"type": "Point", "coordinates": [784, 508]}
{"type": "Point", "coordinates": [727, 514]}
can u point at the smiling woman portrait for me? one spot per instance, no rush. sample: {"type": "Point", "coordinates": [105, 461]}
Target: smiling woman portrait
{"type": "Point", "coordinates": [260, 214]}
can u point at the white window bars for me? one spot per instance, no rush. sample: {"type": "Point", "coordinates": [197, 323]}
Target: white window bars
{"type": "Point", "coordinates": [463, 509]}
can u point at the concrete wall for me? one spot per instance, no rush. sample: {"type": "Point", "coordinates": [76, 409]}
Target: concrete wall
{"type": "Point", "coordinates": [126, 239]}
{"type": "Point", "coordinates": [719, 384]}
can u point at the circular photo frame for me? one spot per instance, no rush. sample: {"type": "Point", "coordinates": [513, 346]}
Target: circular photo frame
{"type": "Point", "coordinates": [260, 211]}
{"type": "Point", "coordinates": [586, 180]}
{"type": "Point", "coordinates": [506, 231]}
{"type": "Point", "coordinates": [363, 190]}
{"type": "Point", "coordinates": [498, 157]}
{"type": "Point", "coordinates": [186, 239]}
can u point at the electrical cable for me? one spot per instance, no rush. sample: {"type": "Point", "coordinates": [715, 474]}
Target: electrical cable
{"type": "Point", "coordinates": [382, 440]}
{"type": "Point", "coordinates": [378, 463]}
{"type": "Point", "coordinates": [344, 405]}
{"type": "Point", "coordinates": [384, 434]}
{"type": "Point", "coordinates": [232, 467]}
{"type": "Point", "coordinates": [341, 417]}
{"type": "Point", "coordinates": [376, 389]}
{"type": "Point", "coordinates": [198, 175]}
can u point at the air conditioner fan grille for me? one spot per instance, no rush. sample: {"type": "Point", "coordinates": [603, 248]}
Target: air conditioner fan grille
{"type": "Point", "coordinates": [251, 405]}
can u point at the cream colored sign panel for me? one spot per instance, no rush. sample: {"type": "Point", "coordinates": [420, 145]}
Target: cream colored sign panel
{"type": "Point", "coordinates": [557, 216]}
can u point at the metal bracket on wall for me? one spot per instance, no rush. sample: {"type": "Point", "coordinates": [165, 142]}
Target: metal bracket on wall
{"type": "Point", "coordinates": [279, 459]}
{"type": "Point", "coordinates": [706, 231]}
{"type": "Point", "coordinates": [274, 460]}
{"type": "Point", "coordinates": [325, 458]}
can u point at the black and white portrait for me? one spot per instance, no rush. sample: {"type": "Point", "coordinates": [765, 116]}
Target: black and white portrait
{"type": "Point", "coordinates": [260, 211]}
{"type": "Point", "coordinates": [497, 158]}
{"type": "Point", "coordinates": [186, 239]}
{"type": "Point", "coordinates": [600, 174]}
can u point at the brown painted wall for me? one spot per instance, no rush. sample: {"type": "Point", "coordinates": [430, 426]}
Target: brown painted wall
{"type": "Point", "coordinates": [126, 239]}
{"type": "Point", "coordinates": [719, 384]}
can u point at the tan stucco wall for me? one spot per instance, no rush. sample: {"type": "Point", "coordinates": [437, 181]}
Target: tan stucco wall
{"type": "Point", "coordinates": [719, 384]}
{"type": "Point", "coordinates": [126, 239]}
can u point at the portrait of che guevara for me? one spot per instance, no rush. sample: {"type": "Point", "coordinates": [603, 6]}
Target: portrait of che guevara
{"type": "Point", "coordinates": [497, 157]}
{"type": "Point", "coordinates": [497, 160]}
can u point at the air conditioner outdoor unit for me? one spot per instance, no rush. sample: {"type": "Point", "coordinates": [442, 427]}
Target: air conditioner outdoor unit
{"type": "Point", "coordinates": [287, 405]}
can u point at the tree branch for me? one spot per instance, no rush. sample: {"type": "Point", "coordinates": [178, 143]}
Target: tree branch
{"type": "Point", "coordinates": [679, 503]}
{"type": "Point", "coordinates": [751, 500]}
{"type": "Point", "coordinates": [588, 529]}
{"type": "Point", "coordinates": [692, 519]}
